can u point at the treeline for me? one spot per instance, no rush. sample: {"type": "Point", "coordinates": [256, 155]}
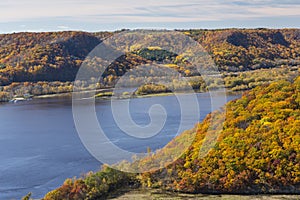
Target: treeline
{"type": "Point", "coordinates": [57, 56]}
{"type": "Point", "coordinates": [35, 89]}
{"type": "Point", "coordinates": [257, 151]}
{"type": "Point", "coordinates": [231, 81]}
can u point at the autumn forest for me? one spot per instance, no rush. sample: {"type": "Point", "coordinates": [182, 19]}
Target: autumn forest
{"type": "Point", "coordinates": [257, 147]}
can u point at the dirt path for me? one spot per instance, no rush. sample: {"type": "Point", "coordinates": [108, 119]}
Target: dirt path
{"type": "Point", "coordinates": [158, 195]}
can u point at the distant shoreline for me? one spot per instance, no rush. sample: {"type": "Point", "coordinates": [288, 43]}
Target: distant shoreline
{"type": "Point", "coordinates": [102, 91]}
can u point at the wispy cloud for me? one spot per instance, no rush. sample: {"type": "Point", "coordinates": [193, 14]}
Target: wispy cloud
{"type": "Point", "coordinates": [63, 27]}
{"type": "Point", "coordinates": [150, 11]}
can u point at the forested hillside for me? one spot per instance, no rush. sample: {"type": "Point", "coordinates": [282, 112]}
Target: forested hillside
{"type": "Point", "coordinates": [257, 151]}
{"type": "Point", "coordinates": [236, 50]}
{"type": "Point", "coordinates": [47, 63]}
{"type": "Point", "coordinates": [36, 57]}
{"type": "Point", "coordinates": [57, 56]}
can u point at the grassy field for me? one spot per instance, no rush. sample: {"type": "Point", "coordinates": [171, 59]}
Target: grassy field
{"type": "Point", "coordinates": [159, 195]}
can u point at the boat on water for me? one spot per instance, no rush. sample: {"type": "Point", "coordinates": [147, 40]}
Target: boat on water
{"type": "Point", "coordinates": [26, 97]}
{"type": "Point", "coordinates": [16, 100]}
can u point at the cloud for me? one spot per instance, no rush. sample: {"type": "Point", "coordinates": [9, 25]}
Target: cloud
{"type": "Point", "coordinates": [150, 11]}
{"type": "Point", "coordinates": [63, 27]}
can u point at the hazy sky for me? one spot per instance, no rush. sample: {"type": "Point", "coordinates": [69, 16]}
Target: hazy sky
{"type": "Point", "coordinates": [94, 15]}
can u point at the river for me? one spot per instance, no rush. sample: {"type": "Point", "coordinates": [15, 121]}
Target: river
{"type": "Point", "coordinates": [40, 146]}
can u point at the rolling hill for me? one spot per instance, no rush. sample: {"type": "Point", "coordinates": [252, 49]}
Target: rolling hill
{"type": "Point", "coordinates": [257, 151]}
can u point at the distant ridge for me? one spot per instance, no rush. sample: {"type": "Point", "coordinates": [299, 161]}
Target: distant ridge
{"type": "Point", "coordinates": [57, 56]}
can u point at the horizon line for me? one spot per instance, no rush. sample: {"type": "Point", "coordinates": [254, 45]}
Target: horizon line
{"type": "Point", "coordinates": [150, 28]}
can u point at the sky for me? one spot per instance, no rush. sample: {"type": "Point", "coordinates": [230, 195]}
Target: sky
{"type": "Point", "coordinates": [101, 15]}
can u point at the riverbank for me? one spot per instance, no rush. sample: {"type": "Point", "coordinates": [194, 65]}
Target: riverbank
{"type": "Point", "coordinates": [46, 96]}
{"type": "Point", "coordinates": [228, 92]}
{"type": "Point", "coordinates": [103, 95]}
{"type": "Point", "coordinates": [233, 82]}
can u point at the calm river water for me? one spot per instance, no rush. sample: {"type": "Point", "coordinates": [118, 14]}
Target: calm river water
{"type": "Point", "coordinates": [40, 147]}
